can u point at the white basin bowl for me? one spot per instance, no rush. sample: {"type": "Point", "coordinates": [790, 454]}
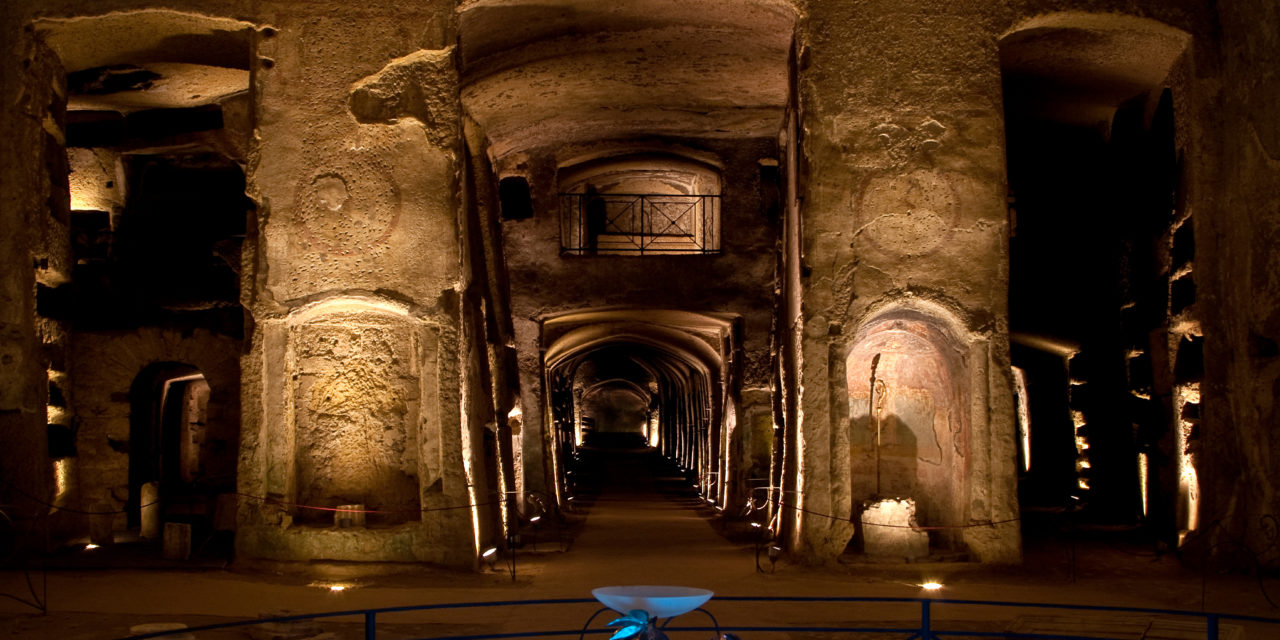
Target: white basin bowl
{"type": "Point", "coordinates": [659, 601]}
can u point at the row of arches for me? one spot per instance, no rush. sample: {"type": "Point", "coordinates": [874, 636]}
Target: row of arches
{"type": "Point", "coordinates": [620, 378]}
{"type": "Point", "coordinates": [640, 378]}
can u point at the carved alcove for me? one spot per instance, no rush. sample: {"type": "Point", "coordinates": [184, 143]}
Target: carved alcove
{"type": "Point", "coordinates": [354, 401]}
{"type": "Point", "coordinates": [919, 408]}
{"type": "Point", "coordinates": [352, 414]}
{"type": "Point", "coordinates": [354, 397]}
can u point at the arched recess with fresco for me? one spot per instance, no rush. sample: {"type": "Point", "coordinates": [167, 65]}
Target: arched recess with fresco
{"type": "Point", "coordinates": [910, 437]}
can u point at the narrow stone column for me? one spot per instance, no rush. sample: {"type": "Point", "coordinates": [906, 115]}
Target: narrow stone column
{"type": "Point", "coordinates": [904, 217]}
{"type": "Point", "coordinates": [31, 214]}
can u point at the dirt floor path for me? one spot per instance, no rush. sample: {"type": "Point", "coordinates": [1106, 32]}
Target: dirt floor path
{"type": "Point", "coordinates": [644, 526]}
{"type": "Point", "coordinates": [636, 522]}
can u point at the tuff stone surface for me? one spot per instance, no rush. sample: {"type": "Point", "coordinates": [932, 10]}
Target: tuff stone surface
{"type": "Point", "coordinates": [381, 323]}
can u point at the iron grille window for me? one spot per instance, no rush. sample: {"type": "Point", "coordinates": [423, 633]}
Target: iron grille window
{"type": "Point", "coordinates": [639, 224]}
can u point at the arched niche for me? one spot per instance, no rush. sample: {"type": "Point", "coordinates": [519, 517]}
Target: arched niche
{"type": "Point", "coordinates": [355, 397]}
{"type": "Point", "coordinates": [918, 413]}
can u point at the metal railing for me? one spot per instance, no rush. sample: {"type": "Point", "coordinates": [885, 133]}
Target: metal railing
{"type": "Point", "coordinates": [926, 626]}
{"type": "Point", "coordinates": [642, 224]}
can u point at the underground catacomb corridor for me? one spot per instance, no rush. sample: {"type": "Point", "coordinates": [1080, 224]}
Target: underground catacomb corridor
{"type": "Point", "coordinates": [527, 297]}
{"type": "Point", "coordinates": [637, 506]}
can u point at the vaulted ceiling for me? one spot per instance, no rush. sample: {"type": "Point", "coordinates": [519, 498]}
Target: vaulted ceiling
{"type": "Point", "coordinates": [537, 74]}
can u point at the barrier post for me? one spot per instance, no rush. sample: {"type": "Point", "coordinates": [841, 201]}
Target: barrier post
{"type": "Point", "coordinates": [926, 633]}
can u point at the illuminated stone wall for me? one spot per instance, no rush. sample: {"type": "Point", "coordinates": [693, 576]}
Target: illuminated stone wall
{"type": "Point", "coordinates": [355, 415]}
{"type": "Point", "coordinates": [904, 202]}
{"type": "Point", "coordinates": [353, 391]}
{"type": "Point", "coordinates": [1237, 291]}
{"type": "Point", "coordinates": [103, 373]}
{"type": "Point", "coordinates": [363, 332]}
{"type": "Point", "coordinates": [365, 423]}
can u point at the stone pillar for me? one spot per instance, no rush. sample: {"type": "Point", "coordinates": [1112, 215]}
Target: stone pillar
{"type": "Point", "coordinates": [352, 387]}
{"type": "Point", "coordinates": [31, 78]}
{"type": "Point", "coordinates": [904, 208]}
{"type": "Point", "coordinates": [1236, 223]}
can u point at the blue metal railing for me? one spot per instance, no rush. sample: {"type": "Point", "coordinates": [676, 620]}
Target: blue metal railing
{"type": "Point", "coordinates": [922, 630]}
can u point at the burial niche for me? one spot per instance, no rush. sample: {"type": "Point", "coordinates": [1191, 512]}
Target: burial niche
{"type": "Point", "coordinates": [356, 409]}
{"type": "Point", "coordinates": [907, 425]}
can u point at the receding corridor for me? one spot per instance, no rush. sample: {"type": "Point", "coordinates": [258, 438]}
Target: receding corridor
{"type": "Point", "coordinates": [320, 306]}
{"type": "Point", "coordinates": [644, 524]}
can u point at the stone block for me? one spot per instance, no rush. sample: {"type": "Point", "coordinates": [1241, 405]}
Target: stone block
{"type": "Point", "coordinates": [349, 515]}
{"type": "Point", "coordinates": [888, 529]}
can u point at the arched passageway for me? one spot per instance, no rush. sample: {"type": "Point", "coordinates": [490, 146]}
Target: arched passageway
{"type": "Point", "coordinates": [631, 381]}
{"type": "Point", "coordinates": [622, 197]}
{"type": "Point", "coordinates": [1106, 337]}
{"type": "Point", "coordinates": [178, 459]}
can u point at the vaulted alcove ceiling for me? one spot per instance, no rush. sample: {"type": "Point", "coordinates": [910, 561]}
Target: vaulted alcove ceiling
{"type": "Point", "coordinates": [137, 60]}
{"type": "Point", "coordinates": [1076, 69]}
{"type": "Point", "coordinates": [691, 337]}
{"type": "Point", "coordinates": [538, 73]}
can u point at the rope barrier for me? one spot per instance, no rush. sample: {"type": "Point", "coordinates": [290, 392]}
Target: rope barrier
{"type": "Point", "coordinates": [752, 506]}
{"type": "Point", "coordinates": [46, 503]}
{"type": "Point", "coordinates": [898, 526]}
{"type": "Point", "coordinates": [296, 505]}
{"type": "Point", "coordinates": [262, 499]}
